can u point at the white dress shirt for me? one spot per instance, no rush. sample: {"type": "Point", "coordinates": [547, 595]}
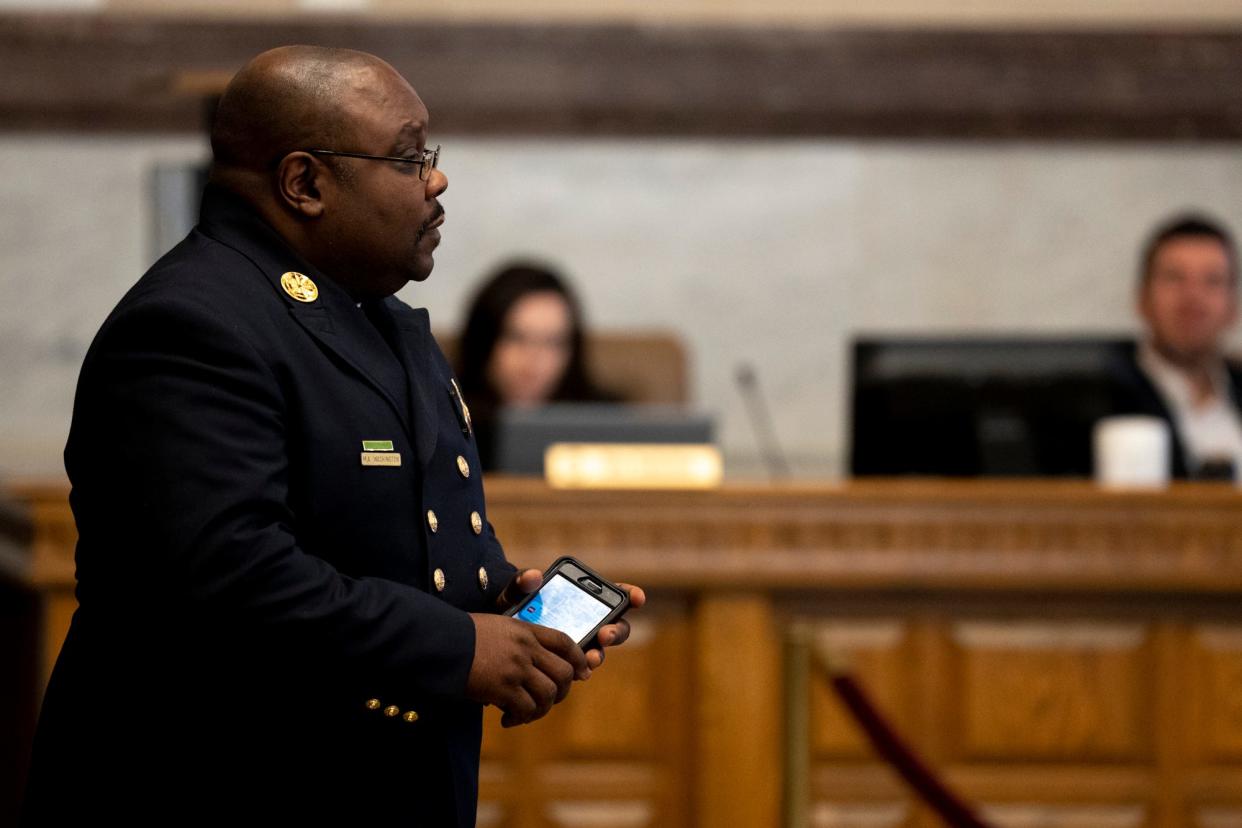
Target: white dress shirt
{"type": "Point", "coordinates": [1209, 429]}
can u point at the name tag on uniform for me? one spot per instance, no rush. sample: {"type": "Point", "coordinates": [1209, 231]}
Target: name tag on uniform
{"type": "Point", "coordinates": [379, 453]}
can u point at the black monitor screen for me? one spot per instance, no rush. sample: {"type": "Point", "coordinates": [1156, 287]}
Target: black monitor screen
{"type": "Point", "coordinates": [524, 434]}
{"type": "Point", "coordinates": [980, 407]}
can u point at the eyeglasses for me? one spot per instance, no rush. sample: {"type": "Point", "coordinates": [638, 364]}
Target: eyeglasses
{"type": "Point", "coordinates": [426, 162]}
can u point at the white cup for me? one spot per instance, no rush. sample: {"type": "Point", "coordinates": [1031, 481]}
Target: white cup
{"type": "Point", "coordinates": [1132, 452]}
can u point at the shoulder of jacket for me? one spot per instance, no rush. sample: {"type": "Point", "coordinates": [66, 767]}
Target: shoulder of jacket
{"type": "Point", "coordinates": [202, 273]}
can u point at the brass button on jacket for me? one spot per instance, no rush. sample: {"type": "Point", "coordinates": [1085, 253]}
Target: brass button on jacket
{"type": "Point", "coordinates": [476, 523]}
{"type": "Point", "coordinates": [392, 710]}
{"type": "Point", "coordinates": [463, 466]}
{"type": "Point", "coordinates": [433, 522]}
{"type": "Point", "coordinates": [410, 716]}
{"type": "Point", "coordinates": [373, 704]}
{"type": "Point", "coordinates": [438, 578]}
{"type": "Point", "coordinates": [483, 580]}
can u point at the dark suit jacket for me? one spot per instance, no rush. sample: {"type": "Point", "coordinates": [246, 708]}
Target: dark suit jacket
{"type": "Point", "coordinates": [1135, 393]}
{"type": "Point", "coordinates": [246, 585]}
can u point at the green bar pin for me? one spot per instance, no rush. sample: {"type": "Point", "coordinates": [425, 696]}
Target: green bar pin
{"type": "Point", "coordinates": [377, 445]}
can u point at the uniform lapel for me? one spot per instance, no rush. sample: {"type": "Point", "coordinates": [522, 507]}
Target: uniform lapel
{"type": "Point", "coordinates": [415, 353]}
{"type": "Point", "coordinates": [332, 319]}
{"type": "Point", "coordinates": [340, 327]}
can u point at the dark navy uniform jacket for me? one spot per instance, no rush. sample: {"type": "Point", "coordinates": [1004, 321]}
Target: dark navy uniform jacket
{"type": "Point", "coordinates": [267, 626]}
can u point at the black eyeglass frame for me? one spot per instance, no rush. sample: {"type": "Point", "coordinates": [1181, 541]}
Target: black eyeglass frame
{"type": "Point", "coordinates": [427, 163]}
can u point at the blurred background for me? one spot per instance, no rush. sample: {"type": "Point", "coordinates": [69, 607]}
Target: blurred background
{"type": "Point", "coordinates": [767, 184]}
{"type": "Point", "coordinates": [768, 181]}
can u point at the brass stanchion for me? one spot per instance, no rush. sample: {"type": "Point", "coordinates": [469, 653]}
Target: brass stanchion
{"type": "Point", "coordinates": [798, 726]}
{"type": "Point", "coordinates": [806, 656]}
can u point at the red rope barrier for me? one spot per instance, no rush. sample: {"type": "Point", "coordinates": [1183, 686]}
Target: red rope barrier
{"type": "Point", "coordinates": [902, 759]}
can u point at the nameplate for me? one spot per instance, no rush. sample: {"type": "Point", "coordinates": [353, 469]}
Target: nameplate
{"type": "Point", "coordinates": [381, 458]}
{"type": "Point", "coordinates": [633, 466]}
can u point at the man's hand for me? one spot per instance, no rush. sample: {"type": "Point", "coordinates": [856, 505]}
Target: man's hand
{"type": "Point", "coordinates": [521, 668]}
{"type": "Point", "coordinates": [612, 635]}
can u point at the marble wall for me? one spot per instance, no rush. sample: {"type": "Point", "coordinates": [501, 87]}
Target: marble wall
{"type": "Point", "coordinates": [769, 252]}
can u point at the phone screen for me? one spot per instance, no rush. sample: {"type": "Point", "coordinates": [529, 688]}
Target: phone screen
{"type": "Point", "coordinates": [563, 605]}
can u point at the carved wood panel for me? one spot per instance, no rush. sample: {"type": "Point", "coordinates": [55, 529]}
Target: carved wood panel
{"type": "Point", "coordinates": [880, 656]}
{"type": "Point", "coordinates": [1030, 691]}
{"type": "Point", "coordinates": [1216, 651]}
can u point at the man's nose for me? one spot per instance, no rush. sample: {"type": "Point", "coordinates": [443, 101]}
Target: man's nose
{"type": "Point", "coordinates": [437, 183]}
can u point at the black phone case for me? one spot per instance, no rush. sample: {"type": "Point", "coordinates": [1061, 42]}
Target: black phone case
{"type": "Point", "coordinates": [615, 613]}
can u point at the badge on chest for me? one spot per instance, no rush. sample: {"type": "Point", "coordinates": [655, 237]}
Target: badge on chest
{"type": "Point", "coordinates": [460, 408]}
{"type": "Point", "coordinates": [379, 453]}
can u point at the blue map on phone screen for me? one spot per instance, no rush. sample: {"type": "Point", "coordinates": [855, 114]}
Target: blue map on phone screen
{"type": "Point", "coordinates": [563, 605]}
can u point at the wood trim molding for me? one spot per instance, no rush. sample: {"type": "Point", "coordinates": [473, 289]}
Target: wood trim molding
{"type": "Point", "coordinates": [889, 535]}
{"type": "Point", "coordinates": [108, 72]}
{"type": "Point", "coordinates": [985, 536]}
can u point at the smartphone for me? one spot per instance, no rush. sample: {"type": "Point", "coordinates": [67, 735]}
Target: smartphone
{"type": "Point", "coordinates": [575, 600]}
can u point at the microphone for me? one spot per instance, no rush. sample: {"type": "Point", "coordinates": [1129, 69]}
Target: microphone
{"type": "Point", "coordinates": [761, 422]}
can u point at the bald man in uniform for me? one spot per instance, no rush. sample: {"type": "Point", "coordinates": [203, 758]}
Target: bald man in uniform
{"type": "Point", "coordinates": [289, 592]}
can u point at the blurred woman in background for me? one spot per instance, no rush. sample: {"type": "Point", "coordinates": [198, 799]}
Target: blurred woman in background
{"type": "Point", "coordinates": [522, 346]}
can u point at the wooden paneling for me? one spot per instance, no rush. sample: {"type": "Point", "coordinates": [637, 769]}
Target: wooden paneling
{"type": "Point", "coordinates": [1216, 656]}
{"type": "Point", "coordinates": [118, 72]}
{"type": "Point", "coordinates": [880, 656]}
{"type": "Point", "coordinates": [1065, 691]}
{"type": "Point", "coordinates": [737, 710]}
{"type": "Point", "coordinates": [879, 815]}
{"type": "Point", "coordinates": [1218, 818]}
{"type": "Point", "coordinates": [1068, 657]}
{"type": "Point", "coordinates": [1038, 815]}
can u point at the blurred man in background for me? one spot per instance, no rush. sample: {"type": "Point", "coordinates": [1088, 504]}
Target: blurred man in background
{"type": "Point", "coordinates": [1188, 301]}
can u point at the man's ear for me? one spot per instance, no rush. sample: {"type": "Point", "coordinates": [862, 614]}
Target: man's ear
{"type": "Point", "coordinates": [298, 184]}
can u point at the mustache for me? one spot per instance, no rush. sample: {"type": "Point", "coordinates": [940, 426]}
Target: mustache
{"type": "Point", "coordinates": [432, 219]}
{"type": "Point", "coordinates": [436, 216]}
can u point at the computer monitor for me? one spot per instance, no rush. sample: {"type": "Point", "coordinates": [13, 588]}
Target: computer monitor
{"type": "Point", "coordinates": [524, 434]}
{"type": "Point", "coordinates": [981, 406]}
